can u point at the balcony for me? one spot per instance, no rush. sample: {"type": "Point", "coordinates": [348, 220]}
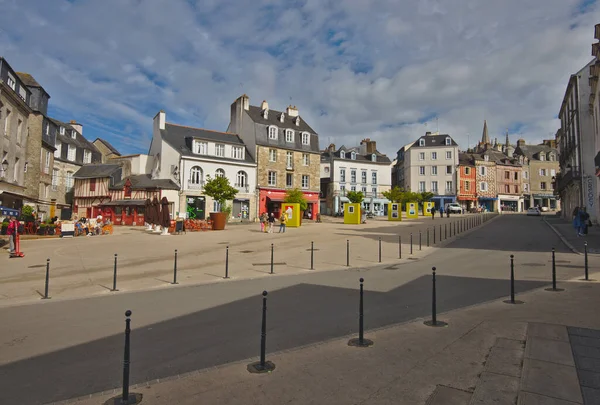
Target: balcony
{"type": "Point", "coordinates": [194, 185]}
{"type": "Point", "coordinates": [566, 178]}
{"type": "Point", "coordinates": [242, 188]}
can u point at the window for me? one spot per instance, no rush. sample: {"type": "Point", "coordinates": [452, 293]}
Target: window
{"type": "Point", "coordinates": [71, 153]}
{"type": "Point", "coordinates": [47, 162]}
{"type": "Point", "coordinates": [373, 177]}
{"type": "Point", "coordinates": [552, 172]}
{"type": "Point", "coordinates": [62, 130]}
{"type": "Point", "coordinates": [525, 175]}
{"type": "Point", "coordinates": [542, 172]}
{"type": "Point", "coordinates": [201, 148]}
{"type": "Point", "coordinates": [467, 185]}
{"type": "Point", "coordinates": [516, 189]}
{"type": "Point", "coordinates": [272, 155]}
{"type": "Point", "coordinates": [448, 141]}
{"type": "Point", "coordinates": [342, 154]}
{"type": "Point", "coordinates": [542, 157]}
{"type": "Point", "coordinates": [305, 138]}
{"type": "Point", "coordinates": [483, 186]}
{"type": "Point", "coordinates": [87, 156]}
{"type": "Point", "coordinates": [343, 189]}
{"type": "Point", "coordinates": [373, 158]}
{"type": "Point", "coordinates": [421, 186]}
{"type": "Point", "coordinates": [422, 170]}
{"type": "Point", "coordinates": [421, 142]}
{"type": "Point", "coordinates": [434, 186]}
{"type": "Point", "coordinates": [434, 170]}
{"type": "Point", "coordinates": [364, 191]}
{"type": "Point", "coordinates": [58, 150]}
{"type": "Point", "coordinates": [23, 92]}
{"type": "Point", "coordinates": [241, 179]}
{"type": "Point", "coordinates": [433, 155]}
{"type": "Point", "coordinates": [507, 175]}
{"type": "Point", "coordinates": [306, 159]}
{"type": "Point", "coordinates": [19, 130]}
{"type": "Point", "coordinates": [237, 152]}
{"type": "Point", "coordinates": [516, 175]}
{"type": "Point", "coordinates": [7, 122]}
{"type": "Point", "coordinates": [448, 169]}
{"type": "Point", "coordinates": [342, 175]}
{"type": "Point", "coordinates": [73, 134]}
{"type": "Point", "coordinates": [220, 150]}
{"type": "Point", "coordinates": [483, 170]}
{"type": "Point", "coordinates": [47, 130]}
{"type": "Point", "coordinates": [220, 173]}
{"type": "Point", "coordinates": [11, 82]}
{"type": "Point", "coordinates": [353, 155]}
{"type": "Point", "coordinates": [289, 135]}
{"type": "Point", "coordinates": [363, 176]}
{"type": "Point", "coordinates": [326, 169]}
{"type": "Point", "coordinates": [127, 191]}
{"type": "Point", "coordinates": [486, 158]}
{"type": "Point", "coordinates": [353, 188]}
{"type": "Point", "coordinates": [16, 170]}
{"type": "Point", "coordinates": [196, 175]}
{"type": "Point", "coordinates": [543, 185]}
{"type": "Point", "coordinates": [506, 188]}
{"type": "Point", "coordinates": [467, 171]}
{"type": "Point", "coordinates": [352, 176]}
{"type": "Point", "coordinates": [69, 180]}
{"type": "Point", "coordinates": [305, 181]}
{"type": "Point", "coordinates": [448, 155]}
{"type": "Point", "coordinates": [551, 157]}
{"type": "Point", "coordinates": [449, 188]}
{"type": "Point", "coordinates": [289, 160]}
{"type": "Point", "coordinates": [272, 180]}
{"type": "Point", "coordinates": [289, 180]}
{"type": "Point", "coordinates": [92, 184]}
{"type": "Point", "coordinates": [374, 191]}
{"type": "Point", "coordinates": [421, 155]}
{"type": "Point", "coordinates": [525, 188]}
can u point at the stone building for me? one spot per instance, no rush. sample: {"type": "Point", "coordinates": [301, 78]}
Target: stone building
{"type": "Point", "coordinates": [14, 121]}
{"type": "Point", "coordinates": [285, 148]}
{"type": "Point", "coordinates": [487, 197]}
{"type": "Point", "coordinates": [509, 182]}
{"type": "Point", "coordinates": [543, 167]}
{"type": "Point", "coordinates": [106, 150]}
{"type": "Point", "coordinates": [467, 181]}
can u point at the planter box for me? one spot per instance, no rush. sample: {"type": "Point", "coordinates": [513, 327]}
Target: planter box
{"type": "Point", "coordinates": [218, 220]}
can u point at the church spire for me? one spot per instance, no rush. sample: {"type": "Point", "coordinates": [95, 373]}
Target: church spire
{"type": "Point", "coordinates": [507, 143]}
{"type": "Point", "coordinates": [485, 138]}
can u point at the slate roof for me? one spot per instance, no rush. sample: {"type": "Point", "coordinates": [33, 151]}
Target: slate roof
{"type": "Point", "coordinates": [434, 140]}
{"type": "Point", "coordinates": [466, 159]}
{"type": "Point", "coordinates": [273, 119]}
{"type": "Point", "coordinates": [181, 137]}
{"type": "Point", "coordinates": [532, 151]}
{"type": "Point", "coordinates": [381, 158]}
{"type": "Point", "coordinates": [28, 79]}
{"type": "Point", "coordinates": [96, 171]}
{"type": "Point", "coordinates": [108, 145]}
{"type": "Point", "coordinates": [497, 157]}
{"type": "Point", "coordinates": [79, 140]}
{"type": "Point", "coordinates": [144, 181]}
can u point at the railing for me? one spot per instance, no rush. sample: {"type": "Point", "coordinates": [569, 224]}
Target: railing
{"type": "Point", "coordinates": [566, 178]}
{"type": "Point", "coordinates": [241, 188]}
{"type": "Point", "coordinates": [195, 185]}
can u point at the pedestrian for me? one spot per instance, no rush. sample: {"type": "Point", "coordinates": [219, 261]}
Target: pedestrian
{"type": "Point", "coordinates": [11, 231]}
{"type": "Point", "coordinates": [282, 222]}
{"type": "Point", "coordinates": [271, 221]}
{"type": "Point", "coordinates": [442, 211]}
{"type": "Point", "coordinates": [433, 212]}
{"type": "Point", "coordinates": [262, 222]}
{"type": "Point", "coordinates": [576, 221]}
{"type": "Point", "coordinates": [584, 217]}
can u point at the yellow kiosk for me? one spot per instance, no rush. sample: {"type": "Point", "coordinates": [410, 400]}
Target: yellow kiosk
{"type": "Point", "coordinates": [394, 212]}
{"type": "Point", "coordinates": [412, 210]}
{"type": "Point", "coordinates": [427, 206]}
{"type": "Point", "coordinates": [352, 213]}
{"type": "Point", "coordinates": [292, 210]}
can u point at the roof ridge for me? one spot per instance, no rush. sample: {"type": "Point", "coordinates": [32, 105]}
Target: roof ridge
{"type": "Point", "coordinates": [203, 129]}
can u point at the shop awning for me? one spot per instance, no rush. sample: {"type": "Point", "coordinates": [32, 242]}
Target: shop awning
{"type": "Point", "coordinates": [466, 198]}
{"type": "Point", "coordinates": [130, 203]}
{"type": "Point", "coordinates": [487, 198]}
{"type": "Point", "coordinates": [9, 211]}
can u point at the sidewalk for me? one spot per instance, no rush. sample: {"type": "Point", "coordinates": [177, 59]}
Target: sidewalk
{"type": "Point", "coordinates": [568, 235]}
{"type": "Point", "coordinates": [478, 359]}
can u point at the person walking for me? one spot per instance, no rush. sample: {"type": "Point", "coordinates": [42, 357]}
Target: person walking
{"type": "Point", "coordinates": [262, 222]}
{"type": "Point", "coordinates": [271, 221]}
{"type": "Point", "coordinates": [11, 231]}
{"type": "Point", "coordinates": [576, 221]}
{"type": "Point", "coordinates": [584, 217]}
{"type": "Point", "coordinates": [282, 222]}
{"type": "Point", "coordinates": [433, 212]}
{"type": "Point", "coordinates": [441, 211]}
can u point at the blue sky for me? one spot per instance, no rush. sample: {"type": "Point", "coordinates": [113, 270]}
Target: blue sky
{"type": "Point", "coordinates": [382, 69]}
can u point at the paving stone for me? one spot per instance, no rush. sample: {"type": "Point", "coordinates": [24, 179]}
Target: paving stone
{"type": "Point", "coordinates": [509, 343]}
{"type": "Point", "coordinates": [555, 380]}
{"type": "Point", "coordinates": [548, 331]}
{"type": "Point", "coordinates": [549, 350]}
{"type": "Point", "coordinates": [495, 389]}
{"type": "Point", "coordinates": [585, 341]}
{"type": "Point", "coordinates": [589, 379]}
{"type": "Point", "coordinates": [591, 396]}
{"type": "Point", "coordinates": [586, 351]}
{"type": "Point", "coordinates": [449, 396]}
{"type": "Point", "coordinates": [587, 363]}
{"type": "Point", "coordinates": [505, 361]}
{"type": "Point", "coordinates": [528, 398]}
{"type": "Point", "coordinates": [593, 333]}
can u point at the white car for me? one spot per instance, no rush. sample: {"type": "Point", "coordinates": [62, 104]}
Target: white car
{"type": "Point", "coordinates": [454, 208]}
{"type": "Point", "coordinates": [534, 212]}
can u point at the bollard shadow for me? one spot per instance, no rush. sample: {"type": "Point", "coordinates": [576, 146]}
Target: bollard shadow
{"type": "Point", "coordinates": [214, 275]}
{"type": "Point", "coordinates": [161, 280]}
{"type": "Point", "coordinates": [103, 286]}
{"type": "Point", "coordinates": [41, 294]}
{"type": "Point", "coordinates": [298, 315]}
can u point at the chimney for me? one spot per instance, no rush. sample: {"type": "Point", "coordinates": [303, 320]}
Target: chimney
{"type": "Point", "coordinates": [521, 142]}
{"type": "Point", "coordinates": [159, 119]}
{"type": "Point", "coordinates": [427, 133]}
{"type": "Point", "coordinates": [292, 111]}
{"type": "Point", "coordinates": [331, 148]}
{"type": "Point", "coordinates": [371, 146]}
{"type": "Point", "coordinates": [264, 105]}
{"type": "Point", "coordinates": [76, 126]}
{"type": "Point", "coordinates": [236, 113]}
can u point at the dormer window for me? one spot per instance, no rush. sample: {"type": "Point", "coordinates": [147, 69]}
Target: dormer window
{"type": "Point", "coordinates": [73, 134]}
{"type": "Point", "coordinates": [297, 121]}
{"type": "Point", "coordinates": [281, 117]}
{"type": "Point", "coordinates": [200, 148]}
{"type": "Point", "coordinates": [551, 157]}
{"type": "Point", "coordinates": [266, 114]}
{"type": "Point", "coordinates": [343, 154]}
{"type": "Point", "coordinates": [305, 138]}
{"type": "Point", "coordinates": [448, 141]}
{"type": "Point", "coordinates": [353, 155]}
{"type": "Point", "coordinates": [62, 130]}
{"type": "Point", "coordinates": [47, 129]}
{"type": "Point", "coordinates": [272, 132]}
{"type": "Point", "coordinates": [421, 142]}
{"type": "Point", "coordinates": [289, 135]}
{"type": "Point", "coordinates": [542, 157]}
{"type": "Point", "coordinates": [373, 158]}
{"type": "Point", "coordinates": [486, 158]}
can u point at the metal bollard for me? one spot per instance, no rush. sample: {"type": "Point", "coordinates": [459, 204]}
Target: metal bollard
{"type": "Point", "coordinates": [428, 237]}
{"type": "Point", "coordinates": [175, 269]}
{"type": "Point", "coordinates": [434, 235]}
{"type": "Point", "coordinates": [554, 289]}
{"type": "Point", "coordinates": [46, 297]}
{"type": "Point", "coordinates": [312, 252]}
{"type": "Point", "coordinates": [272, 258]}
{"type": "Point", "coordinates": [411, 244]}
{"type": "Point", "coordinates": [361, 341]}
{"type": "Point", "coordinates": [585, 253]}
{"type": "Point", "coordinates": [262, 366]}
{"type": "Point", "coordinates": [445, 231]}
{"type": "Point", "coordinates": [115, 275]}
{"type": "Point", "coordinates": [434, 322]}
{"type": "Point", "coordinates": [420, 237]}
{"type": "Point", "coordinates": [226, 262]}
{"type": "Point", "coordinates": [512, 282]}
{"type": "Point", "coordinates": [347, 252]}
{"type": "Point", "coordinates": [380, 249]}
{"type": "Point", "coordinates": [399, 247]}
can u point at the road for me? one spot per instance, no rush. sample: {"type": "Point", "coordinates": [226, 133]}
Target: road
{"type": "Point", "coordinates": [65, 349]}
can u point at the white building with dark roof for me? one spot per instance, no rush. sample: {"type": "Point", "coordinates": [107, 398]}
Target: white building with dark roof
{"type": "Point", "coordinates": [189, 156]}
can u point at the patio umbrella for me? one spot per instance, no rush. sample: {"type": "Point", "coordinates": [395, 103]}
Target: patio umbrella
{"type": "Point", "coordinates": [165, 217]}
{"type": "Point", "coordinates": [155, 212]}
{"type": "Point", "coordinates": [148, 211]}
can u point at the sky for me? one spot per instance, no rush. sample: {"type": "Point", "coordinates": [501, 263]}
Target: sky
{"type": "Point", "coordinates": [388, 70]}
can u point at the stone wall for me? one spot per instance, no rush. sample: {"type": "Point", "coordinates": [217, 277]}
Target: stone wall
{"type": "Point", "coordinates": [265, 166]}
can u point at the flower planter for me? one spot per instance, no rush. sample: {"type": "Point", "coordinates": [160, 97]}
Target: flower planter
{"type": "Point", "coordinates": [218, 220]}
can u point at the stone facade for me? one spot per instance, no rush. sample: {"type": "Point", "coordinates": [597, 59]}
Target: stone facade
{"type": "Point", "coordinates": [298, 169]}
{"type": "Point", "coordinates": [106, 150]}
{"type": "Point", "coordinates": [486, 183]}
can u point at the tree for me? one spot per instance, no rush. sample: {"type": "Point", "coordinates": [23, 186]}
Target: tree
{"type": "Point", "coordinates": [394, 195]}
{"type": "Point", "coordinates": [220, 190]}
{"type": "Point", "coordinates": [296, 196]}
{"type": "Point", "coordinates": [355, 197]}
{"type": "Point", "coordinates": [425, 196]}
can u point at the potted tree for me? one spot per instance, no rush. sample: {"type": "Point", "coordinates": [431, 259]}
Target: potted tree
{"type": "Point", "coordinates": [296, 196]}
{"type": "Point", "coordinates": [221, 191]}
{"type": "Point", "coordinates": [356, 198]}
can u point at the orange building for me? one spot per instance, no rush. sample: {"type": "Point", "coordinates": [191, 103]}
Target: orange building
{"type": "Point", "coordinates": [467, 181]}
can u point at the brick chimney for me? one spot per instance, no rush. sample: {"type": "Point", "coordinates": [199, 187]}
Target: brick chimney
{"type": "Point", "coordinates": [264, 105]}
{"type": "Point", "coordinates": [76, 126]}
{"type": "Point", "coordinates": [368, 146]}
{"type": "Point", "coordinates": [292, 111]}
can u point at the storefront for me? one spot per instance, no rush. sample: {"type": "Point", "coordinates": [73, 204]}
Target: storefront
{"type": "Point", "coordinates": [441, 201]}
{"type": "Point", "coordinates": [467, 203]}
{"type": "Point", "coordinates": [124, 212]}
{"type": "Point", "coordinates": [510, 203]}
{"type": "Point", "coordinates": [195, 207]}
{"type": "Point", "coordinates": [270, 202]}
{"type": "Point", "coordinates": [377, 206]}
{"type": "Point", "coordinates": [545, 200]}
{"type": "Point", "coordinates": [241, 209]}
{"type": "Point", "coordinates": [488, 204]}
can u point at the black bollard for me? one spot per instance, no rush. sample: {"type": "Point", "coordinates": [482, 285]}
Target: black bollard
{"type": "Point", "coordinates": [427, 237]}
{"type": "Point", "coordinates": [46, 297]}
{"type": "Point", "coordinates": [440, 232]}
{"type": "Point", "coordinates": [312, 252]}
{"type": "Point", "coordinates": [115, 275]}
{"type": "Point", "coordinates": [445, 231]}
{"type": "Point", "coordinates": [434, 235]}
{"type": "Point", "coordinates": [226, 262]}
{"type": "Point", "coordinates": [399, 247]}
{"type": "Point", "coordinates": [262, 366]}
{"type": "Point", "coordinates": [175, 269]}
{"type": "Point", "coordinates": [434, 322]}
{"type": "Point", "coordinates": [411, 251]}
{"type": "Point", "coordinates": [420, 237]}
{"type": "Point", "coordinates": [361, 341]}
{"type": "Point", "coordinates": [272, 258]}
{"type": "Point", "coordinates": [512, 282]}
{"type": "Point", "coordinates": [554, 289]}
{"type": "Point", "coordinates": [347, 252]}
{"type": "Point", "coordinates": [380, 249]}
{"type": "Point", "coordinates": [585, 263]}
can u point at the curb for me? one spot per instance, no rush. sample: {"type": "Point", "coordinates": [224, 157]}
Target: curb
{"type": "Point", "coordinates": [562, 238]}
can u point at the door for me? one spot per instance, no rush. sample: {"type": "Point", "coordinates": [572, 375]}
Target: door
{"type": "Point", "coordinates": [127, 216]}
{"type": "Point", "coordinates": [196, 207]}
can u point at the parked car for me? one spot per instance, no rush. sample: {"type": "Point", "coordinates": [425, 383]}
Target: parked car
{"type": "Point", "coordinates": [545, 209]}
{"type": "Point", "coordinates": [453, 208]}
{"type": "Point", "coordinates": [533, 211]}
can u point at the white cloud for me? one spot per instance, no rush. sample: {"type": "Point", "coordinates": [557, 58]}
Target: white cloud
{"type": "Point", "coordinates": [354, 68]}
